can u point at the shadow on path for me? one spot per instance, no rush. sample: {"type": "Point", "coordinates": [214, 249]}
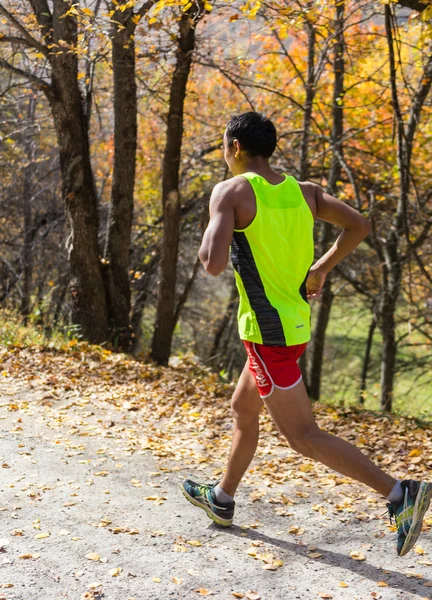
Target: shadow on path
{"type": "Point", "coordinates": [394, 579]}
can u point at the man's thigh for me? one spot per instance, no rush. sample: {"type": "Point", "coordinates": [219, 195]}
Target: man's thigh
{"type": "Point", "coordinates": [291, 411]}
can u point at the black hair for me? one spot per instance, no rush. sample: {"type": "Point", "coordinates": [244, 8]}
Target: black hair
{"type": "Point", "coordinates": [256, 133]}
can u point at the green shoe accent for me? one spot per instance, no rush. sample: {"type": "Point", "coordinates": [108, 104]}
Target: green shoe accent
{"type": "Point", "coordinates": [409, 513]}
{"type": "Point", "coordinates": [202, 495]}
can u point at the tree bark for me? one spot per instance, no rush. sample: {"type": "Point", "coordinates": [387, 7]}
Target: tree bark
{"type": "Point", "coordinates": [165, 321]}
{"type": "Point", "coordinates": [26, 253]}
{"type": "Point", "coordinates": [310, 95]}
{"type": "Point", "coordinates": [89, 307]}
{"type": "Point", "coordinates": [120, 217]}
{"type": "Point", "coordinates": [392, 267]}
{"type": "Point", "coordinates": [326, 299]}
{"type": "Point", "coordinates": [366, 360]}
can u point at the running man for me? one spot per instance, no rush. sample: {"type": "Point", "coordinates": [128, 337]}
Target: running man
{"type": "Point", "coordinates": [267, 219]}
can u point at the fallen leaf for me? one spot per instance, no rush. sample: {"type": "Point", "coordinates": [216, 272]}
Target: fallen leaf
{"type": "Point", "coordinates": [40, 536]}
{"type": "Point", "coordinates": [92, 556]}
{"type": "Point", "coordinates": [357, 555]}
{"type": "Point", "coordinates": [238, 594]}
{"type": "Point", "coordinates": [115, 572]}
{"type": "Point", "coordinates": [252, 595]}
{"type": "Point", "coordinates": [194, 543]}
{"type": "Point", "coordinates": [156, 579]}
{"type": "Point", "coordinates": [325, 595]}
{"type": "Point", "coordinates": [177, 580]}
{"type": "Point", "coordinates": [204, 592]}
{"type": "Point", "coordinates": [343, 584]}
{"type": "Point", "coordinates": [382, 584]}
{"type": "Point", "coordinates": [314, 555]}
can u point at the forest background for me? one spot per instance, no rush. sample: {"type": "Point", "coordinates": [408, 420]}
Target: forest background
{"type": "Point", "coordinates": [112, 116]}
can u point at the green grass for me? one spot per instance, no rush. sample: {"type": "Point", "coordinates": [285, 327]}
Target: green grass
{"type": "Point", "coordinates": [344, 351]}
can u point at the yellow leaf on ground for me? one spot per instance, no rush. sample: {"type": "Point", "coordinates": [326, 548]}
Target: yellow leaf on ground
{"type": "Point", "coordinates": [382, 584]}
{"type": "Point", "coordinates": [92, 556]}
{"type": "Point", "coordinates": [415, 452]}
{"type": "Point", "coordinates": [343, 584]}
{"type": "Point", "coordinates": [40, 536]}
{"type": "Point", "coordinates": [357, 555]}
{"type": "Point", "coordinates": [177, 580]}
{"type": "Point", "coordinates": [156, 579]}
{"type": "Point", "coordinates": [306, 467]}
{"type": "Point", "coordinates": [419, 550]}
{"type": "Point", "coordinates": [116, 571]}
{"type": "Point", "coordinates": [238, 594]}
{"type": "Point", "coordinates": [204, 592]}
{"type": "Point", "coordinates": [324, 595]}
{"type": "Point", "coordinates": [194, 543]}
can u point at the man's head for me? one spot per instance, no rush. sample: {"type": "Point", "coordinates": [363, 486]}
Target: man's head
{"type": "Point", "coordinates": [248, 135]}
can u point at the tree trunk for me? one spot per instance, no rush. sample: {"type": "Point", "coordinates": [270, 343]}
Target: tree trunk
{"type": "Point", "coordinates": [307, 113]}
{"type": "Point", "coordinates": [223, 324]}
{"type": "Point", "coordinates": [26, 253]}
{"type": "Point", "coordinates": [304, 148]}
{"type": "Point", "coordinates": [118, 238]}
{"type": "Point", "coordinates": [89, 307]}
{"type": "Point", "coordinates": [392, 267]}
{"type": "Point", "coordinates": [317, 355]}
{"type": "Point", "coordinates": [326, 299]}
{"type": "Point", "coordinates": [141, 298]}
{"type": "Point", "coordinates": [366, 360]}
{"type": "Point", "coordinates": [388, 360]}
{"type": "Point", "coordinates": [186, 291]}
{"type": "Point", "coordinates": [165, 321]}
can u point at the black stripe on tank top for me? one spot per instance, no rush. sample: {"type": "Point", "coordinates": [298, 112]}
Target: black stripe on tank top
{"type": "Point", "coordinates": [267, 316]}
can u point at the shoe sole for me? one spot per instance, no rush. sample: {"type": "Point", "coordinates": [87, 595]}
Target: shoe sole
{"type": "Point", "coordinates": [210, 513]}
{"type": "Point", "coordinates": [420, 507]}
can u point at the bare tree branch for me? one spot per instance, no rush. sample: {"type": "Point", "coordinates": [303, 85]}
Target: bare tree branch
{"type": "Point", "coordinates": [30, 39]}
{"type": "Point", "coordinates": [21, 73]}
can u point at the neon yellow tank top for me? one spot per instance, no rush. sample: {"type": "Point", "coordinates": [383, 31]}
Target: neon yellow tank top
{"type": "Point", "coordinates": [271, 259]}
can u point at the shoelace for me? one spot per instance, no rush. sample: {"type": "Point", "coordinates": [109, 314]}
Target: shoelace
{"type": "Point", "coordinates": [391, 513]}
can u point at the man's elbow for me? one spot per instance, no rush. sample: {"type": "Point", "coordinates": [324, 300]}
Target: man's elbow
{"type": "Point", "coordinates": [213, 266]}
{"type": "Point", "coordinates": [365, 227]}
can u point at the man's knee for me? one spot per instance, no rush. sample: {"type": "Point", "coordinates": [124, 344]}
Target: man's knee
{"type": "Point", "coordinates": [304, 441]}
{"type": "Point", "coordinates": [244, 413]}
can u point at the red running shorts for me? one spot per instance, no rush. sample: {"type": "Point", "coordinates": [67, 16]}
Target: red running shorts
{"type": "Point", "coordinates": [274, 366]}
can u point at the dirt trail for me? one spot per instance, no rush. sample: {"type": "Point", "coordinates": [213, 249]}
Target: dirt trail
{"type": "Point", "coordinates": [71, 469]}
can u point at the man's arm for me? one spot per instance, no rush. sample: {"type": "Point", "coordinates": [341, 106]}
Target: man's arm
{"type": "Point", "coordinates": [355, 229]}
{"type": "Point", "coordinates": [214, 251]}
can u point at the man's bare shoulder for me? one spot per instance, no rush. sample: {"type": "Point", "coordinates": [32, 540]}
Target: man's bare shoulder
{"type": "Point", "coordinates": [231, 190]}
{"type": "Point", "coordinates": [309, 189]}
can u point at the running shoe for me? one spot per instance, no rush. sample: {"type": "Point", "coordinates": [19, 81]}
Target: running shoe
{"type": "Point", "coordinates": [203, 496]}
{"type": "Point", "coordinates": [409, 513]}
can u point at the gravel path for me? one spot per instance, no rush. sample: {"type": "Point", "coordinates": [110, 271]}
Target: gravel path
{"type": "Point", "coordinates": [66, 474]}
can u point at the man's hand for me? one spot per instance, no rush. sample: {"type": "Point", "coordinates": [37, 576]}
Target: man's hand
{"type": "Point", "coordinates": [315, 282]}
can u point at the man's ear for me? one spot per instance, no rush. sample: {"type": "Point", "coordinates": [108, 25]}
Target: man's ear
{"type": "Point", "coordinates": [237, 148]}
